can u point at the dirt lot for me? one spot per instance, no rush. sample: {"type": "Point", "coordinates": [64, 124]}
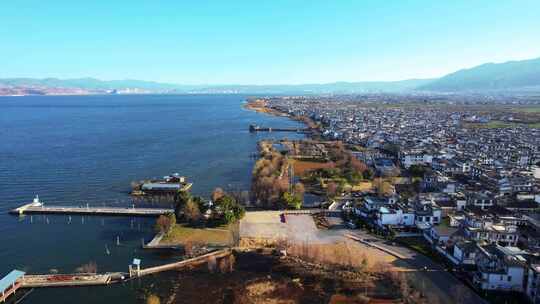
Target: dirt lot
{"type": "Point", "coordinates": [301, 237]}
{"type": "Point", "coordinates": [263, 224]}
{"type": "Point", "coordinates": [301, 166]}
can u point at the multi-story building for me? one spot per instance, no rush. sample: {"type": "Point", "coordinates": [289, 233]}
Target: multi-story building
{"type": "Point", "coordinates": [499, 268]}
{"type": "Point", "coordinates": [533, 283]}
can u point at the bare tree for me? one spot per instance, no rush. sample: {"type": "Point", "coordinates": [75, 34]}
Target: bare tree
{"type": "Point", "coordinates": [225, 264]}
{"type": "Point", "coordinates": [357, 165]}
{"type": "Point", "coordinates": [217, 194]}
{"type": "Point", "coordinates": [192, 212]}
{"type": "Point", "coordinates": [331, 189]}
{"type": "Point", "coordinates": [404, 286]}
{"type": "Point", "coordinates": [382, 187]}
{"type": "Point", "coordinates": [212, 263]}
{"type": "Point", "coordinates": [163, 224]}
{"type": "Point", "coordinates": [460, 293]}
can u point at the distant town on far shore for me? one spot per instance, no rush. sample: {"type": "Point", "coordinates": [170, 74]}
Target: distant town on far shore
{"type": "Point", "coordinates": [493, 79]}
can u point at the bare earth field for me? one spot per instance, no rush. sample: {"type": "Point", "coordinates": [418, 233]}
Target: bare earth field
{"type": "Point", "coordinates": [263, 224]}
{"type": "Point", "coordinates": [265, 278]}
{"type": "Point", "coordinates": [301, 166]}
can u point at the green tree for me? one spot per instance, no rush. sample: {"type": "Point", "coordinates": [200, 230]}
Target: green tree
{"type": "Point", "coordinates": [201, 203]}
{"type": "Point", "coordinates": [417, 170]}
{"type": "Point", "coordinates": [292, 201]}
{"type": "Point", "coordinates": [368, 174]}
{"type": "Point", "coordinates": [229, 209]}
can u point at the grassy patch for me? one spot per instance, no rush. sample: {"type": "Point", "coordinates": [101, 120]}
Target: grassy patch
{"type": "Point", "coordinates": [531, 109]}
{"type": "Point", "coordinates": [417, 244]}
{"type": "Point", "coordinates": [445, 222]}
{"type": "Point", "coordinates": [181, 234]}
{"type": "Point", "coordinates": [362, 186]}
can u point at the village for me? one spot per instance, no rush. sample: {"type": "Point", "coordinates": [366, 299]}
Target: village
{"type": "Point", "coordinates": [457, 183]}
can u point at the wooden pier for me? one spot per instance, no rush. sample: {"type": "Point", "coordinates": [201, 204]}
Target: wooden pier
{"type": "Point", "coordinates": [18, 279]}
{"type": "Point", "coordinates": [10, 284]}
{"type": "Point", "coordinates": [196, 261]}
{"type": "Point", "coordinates": [67, 280]}
{"type": "Point", "coordinates": [32, 208]}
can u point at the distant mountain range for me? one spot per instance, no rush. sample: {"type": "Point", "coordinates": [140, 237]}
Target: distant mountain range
{"type": "Point", "coordinates": [512, 75]}
{"type": "Point", "coordinates": [490, 77]}
{"type": "Point", "coordinates": [91, 85]}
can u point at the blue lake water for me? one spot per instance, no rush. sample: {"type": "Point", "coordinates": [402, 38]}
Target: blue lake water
{"type": "Point", "coordinates": [78, 150]}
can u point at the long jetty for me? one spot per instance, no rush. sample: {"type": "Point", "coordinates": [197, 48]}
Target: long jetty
{"type": "Point", "coordinates": [67, 280]}
{"type": "Point", "coordinates": [33, 208]}
{"type": "Point", "coordinates": [22, 280]}
{"type": "Point", "coordinates": [87, 279]}
{"type": "Point", "coordinates": [196, 261]}
{"type": "Point", "coordinates": [253, 128]}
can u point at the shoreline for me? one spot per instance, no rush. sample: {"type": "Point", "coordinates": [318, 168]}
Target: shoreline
{"type": "Point", "coordinates": [261, 106]}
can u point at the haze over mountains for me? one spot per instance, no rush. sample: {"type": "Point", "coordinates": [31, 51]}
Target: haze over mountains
{"type": "Point", "coordinates": [511, 76]}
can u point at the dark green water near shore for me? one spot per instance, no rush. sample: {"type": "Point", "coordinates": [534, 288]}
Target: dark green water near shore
{"type": "Point", "coordinates": [74, 150]}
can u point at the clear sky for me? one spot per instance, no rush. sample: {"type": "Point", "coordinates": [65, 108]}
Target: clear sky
{"type": "Point", "coordinates": [262, 42]}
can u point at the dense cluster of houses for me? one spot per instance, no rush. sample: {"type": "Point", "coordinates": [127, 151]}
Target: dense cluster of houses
{"type": "Point", "coordinates": [476, 193]}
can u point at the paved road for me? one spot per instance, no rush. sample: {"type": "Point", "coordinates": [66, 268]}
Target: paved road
{"type": "Point", "coordinates": [428, 275]}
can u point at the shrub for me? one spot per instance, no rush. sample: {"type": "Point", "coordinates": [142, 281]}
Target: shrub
{"type": "Point", "coordinates": [153, 299]}
{"type": "Point", "coordinates": [292, 201]}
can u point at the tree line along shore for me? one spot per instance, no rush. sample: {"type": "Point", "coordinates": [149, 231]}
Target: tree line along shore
{"type": "Point", "coordinates": [284, 172]}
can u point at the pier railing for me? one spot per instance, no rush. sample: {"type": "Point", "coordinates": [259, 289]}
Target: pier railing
{"type": "Point", "coordinates": [120, 211]}
{"type": "Point", "coordinates": [253, 128]}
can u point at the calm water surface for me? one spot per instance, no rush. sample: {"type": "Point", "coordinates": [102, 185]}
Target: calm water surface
{"type": "Point", "coordinates": [86, 150]}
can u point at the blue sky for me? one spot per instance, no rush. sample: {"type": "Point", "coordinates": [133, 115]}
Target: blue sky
{"type": "Point", "coordinates": [262, 42]}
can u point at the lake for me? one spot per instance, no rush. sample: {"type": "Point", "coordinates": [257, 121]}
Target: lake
{"type": "Point", "coordinates": [78, 150]}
